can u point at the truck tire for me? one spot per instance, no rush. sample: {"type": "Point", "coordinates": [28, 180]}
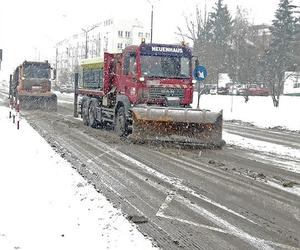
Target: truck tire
{"type": "Point", "coordinates": [93, 113]}
{"type": "Point", "coordinates": [121, 124]}
{"type": "Point", "coordinates": [85, 110]}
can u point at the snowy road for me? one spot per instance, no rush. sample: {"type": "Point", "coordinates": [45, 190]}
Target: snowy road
{"type": "Point", "coordinates": [225, 199]}
{"type": "Point", "coordinates": [245, 196]}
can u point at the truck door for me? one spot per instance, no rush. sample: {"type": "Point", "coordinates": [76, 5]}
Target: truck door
{"type": "Point", "coordinates": [129, 80]}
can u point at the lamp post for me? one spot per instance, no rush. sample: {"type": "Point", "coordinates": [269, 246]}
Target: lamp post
{"type": "Point", "coordinates": [0, 57]}
{"type": "Point", "coordinates": [151, 33]}
{"type": "Point", "coordinates": [86, 31]}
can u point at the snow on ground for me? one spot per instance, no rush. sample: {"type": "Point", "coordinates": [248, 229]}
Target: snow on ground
{"type": "Point", "coordinates": [46, 204]}
{"type": "Point", "coordinates": [260, 145]}
{"type": "Point", "coordinates": [259, 110]}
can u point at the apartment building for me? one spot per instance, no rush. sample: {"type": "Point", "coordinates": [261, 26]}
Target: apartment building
{"type": "Point", "coordinates": [110, 35]}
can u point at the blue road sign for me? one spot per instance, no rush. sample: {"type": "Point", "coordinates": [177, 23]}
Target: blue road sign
{"type": "Point", "coordinates": [200, 73]}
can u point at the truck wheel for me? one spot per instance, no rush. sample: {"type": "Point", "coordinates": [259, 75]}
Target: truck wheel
{"type": "Point", "coordinates": [85, 110]}
{"type": "Point", "coordinates": [121, 124]}
{"type": "Point", "coordinates": [93, 113]}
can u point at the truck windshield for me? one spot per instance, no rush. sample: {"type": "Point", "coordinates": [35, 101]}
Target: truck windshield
{"type": "Point", "coordinates": [165, 66]}
{"type": "Point", "coordinates": [37, 71]}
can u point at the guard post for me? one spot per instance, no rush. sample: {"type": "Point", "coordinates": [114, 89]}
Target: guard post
{"type": "Point", "coordinates": [76, 95]}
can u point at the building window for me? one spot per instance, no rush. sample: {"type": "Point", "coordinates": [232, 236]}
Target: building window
{"type": "Point", "coordinates": [108, 22]}
{"type": "Point", "coordinates": [147, 35]}
{"type": "Point", "coordinates": [296, 85]}
{"type": "Point", "coordinates": [140, 34]}
{"type": "Point", "coordinates": [120, 45]}
{"type": "Point", "coordinates": [120, 33]}
{"type": "Point", "coordinates": [127, 34]}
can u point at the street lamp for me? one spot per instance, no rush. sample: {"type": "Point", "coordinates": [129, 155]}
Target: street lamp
{"type": "Point", "coordinates": [86, 31]}
{"type": "Point", "coordinates": [151, 20]}
{"type": "Point", "coordinates": [151, 35]}
{"type": "Point", "coordinates": [0, 57]}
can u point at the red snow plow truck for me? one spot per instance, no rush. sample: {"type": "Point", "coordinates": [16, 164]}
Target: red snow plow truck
{"type": "Point", "coordinates": [146, 93]}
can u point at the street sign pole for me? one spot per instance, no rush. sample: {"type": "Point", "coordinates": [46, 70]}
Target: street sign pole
{"type": "Point", "coordinates": [198, 89]}
{"type": "Point", "coordinates": [200, 73]}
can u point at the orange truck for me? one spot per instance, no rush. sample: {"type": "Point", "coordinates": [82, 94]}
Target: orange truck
{"type": "Point", "coordinates": [30, 85]}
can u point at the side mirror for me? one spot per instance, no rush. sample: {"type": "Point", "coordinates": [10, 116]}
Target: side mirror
{"type": "Point", "coordinates": [53, 77]}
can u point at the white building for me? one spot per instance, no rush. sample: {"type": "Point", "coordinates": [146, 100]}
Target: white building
{"type": "Point", "coordinates": [111, 35]}
{"type": "Point", "coordinates": [116, 34]}
{"type": "Point", "coordinates": [292, 83]}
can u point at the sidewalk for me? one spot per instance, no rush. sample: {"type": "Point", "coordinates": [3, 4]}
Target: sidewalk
{"type": "Point", "coordinates": [46, 204]}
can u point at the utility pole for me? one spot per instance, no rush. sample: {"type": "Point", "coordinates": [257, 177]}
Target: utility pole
{"type": "Point", "coordinates": [56, 64]}
{"type": "Point", "coordinates": [0, 57]}
{"type": "Point", "coordinates": [86, 31]}
{"type": "Point", "coordinates": [151, 34]}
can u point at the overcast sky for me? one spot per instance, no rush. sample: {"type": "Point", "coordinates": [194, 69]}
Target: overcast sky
{"type": "Point", "coordinates": [29, 29]}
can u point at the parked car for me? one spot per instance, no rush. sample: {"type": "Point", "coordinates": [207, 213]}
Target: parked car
{"type": "Point", "coordinates": [223, 90]}
{"type": "Point", "coordinates": [257, 90]}
{"type": "Point", "coordinates": [241, 89]}
{"type": "Point", "coordinates": [66, 88]}
{"type": "Point", "coordinates": [213, 90]}
{"type": "Point", "coordinates": [233, 90]}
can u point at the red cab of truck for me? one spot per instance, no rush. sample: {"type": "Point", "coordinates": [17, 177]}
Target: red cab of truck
{"type": "Point", "coordinates": [138, 73]}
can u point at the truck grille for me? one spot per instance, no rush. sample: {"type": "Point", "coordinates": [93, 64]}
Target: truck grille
{"type": "Point", "coordinates": [158, 92]}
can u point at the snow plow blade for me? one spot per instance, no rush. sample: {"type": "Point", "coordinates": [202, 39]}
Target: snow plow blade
{"type": "Point", "coordinates": [186, 126]}
{"type": "Point", "coordinates": [41, 102]}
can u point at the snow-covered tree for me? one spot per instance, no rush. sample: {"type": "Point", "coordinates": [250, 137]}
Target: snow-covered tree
{"type": "Point", "coordinates": [220, 23]}
{"type": "Point", "coordinates": [244, 54]}
{"type": "Point", "coordinates": [280, 56]}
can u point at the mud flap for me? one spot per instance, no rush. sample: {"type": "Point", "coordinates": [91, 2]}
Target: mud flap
{"type": "Point", "coordinates": [177, 125]}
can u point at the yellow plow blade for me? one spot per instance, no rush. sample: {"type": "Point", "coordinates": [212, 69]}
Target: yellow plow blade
{"type": "Point", "coordinates": [177, 125]}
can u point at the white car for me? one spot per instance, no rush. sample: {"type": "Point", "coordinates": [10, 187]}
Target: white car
{"type": "Point", "coordinates": [213, 91]}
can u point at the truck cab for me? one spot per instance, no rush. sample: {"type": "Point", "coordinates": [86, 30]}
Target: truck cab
{"type": "Point", "coordinates": [152, 74]}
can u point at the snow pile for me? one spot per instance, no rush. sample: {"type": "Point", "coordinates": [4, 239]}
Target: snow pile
{"type": "Point", "coordinates": [259, 110]}
{"type": "Point", "coordinates": [45, 204]}
{"type": "Point", "coordinates": [261, 146]}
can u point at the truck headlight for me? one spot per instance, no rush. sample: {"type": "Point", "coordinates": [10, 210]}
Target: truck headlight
{"type": "Point", "coordinates": [132, 91]}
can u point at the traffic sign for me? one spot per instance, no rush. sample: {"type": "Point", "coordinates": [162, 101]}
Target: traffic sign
{"type": "Point", "coordinates": [200, 73]}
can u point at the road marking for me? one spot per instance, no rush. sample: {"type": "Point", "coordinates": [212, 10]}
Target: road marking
{"type": "Point", "coordinates": [165, 205]}
{"type": "Point", "coordinates": [223, 226]}
{"type": "Point", "coordinates": [178, 184]}
{"type": "Point", "coordinates": [107, 152]}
